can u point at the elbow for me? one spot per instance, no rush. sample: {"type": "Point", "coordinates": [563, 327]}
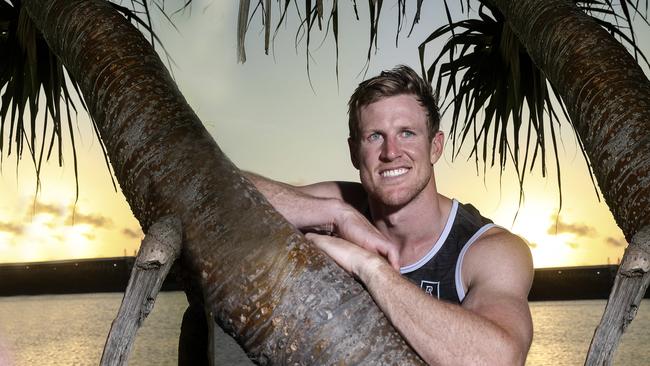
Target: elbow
{"type": "Point", "coordinates": [505, 352]}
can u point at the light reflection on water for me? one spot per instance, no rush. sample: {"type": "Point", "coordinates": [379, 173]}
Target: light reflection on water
{"type": "Point", "coordinates": [563, 331]}
{"type": "Point", "coordinates": [72, 329]}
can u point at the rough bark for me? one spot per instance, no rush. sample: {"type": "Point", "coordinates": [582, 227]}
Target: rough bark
{"type": "Point", "coordinates": [608, 98]}
{"type": "Point", "coordinates": [631, 282]}
{"type": "Point", "coordinates": [606, 93]}
{"type": "Point", "coordinates": [281, 299]}
{"type": "Point", "coordinates": [158, 251]}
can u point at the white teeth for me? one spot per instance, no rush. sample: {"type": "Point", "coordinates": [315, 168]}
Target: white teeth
{"type": "Point", "coordinates": [394, 172]}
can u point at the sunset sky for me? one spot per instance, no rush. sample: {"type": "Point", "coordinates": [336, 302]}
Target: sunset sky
{"type": "Point", "coordinates": [267, 119]}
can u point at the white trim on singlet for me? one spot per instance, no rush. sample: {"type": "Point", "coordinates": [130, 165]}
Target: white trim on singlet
{"type": "Point", "coordinates": [460, 288]}
{"type": "Point", "coordinates": [436, 247]}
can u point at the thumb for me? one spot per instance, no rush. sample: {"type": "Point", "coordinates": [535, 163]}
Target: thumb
{"type": "Point", "coordinates": [393, 259]}
{"type": "Point", "coordinates": [314, 238]}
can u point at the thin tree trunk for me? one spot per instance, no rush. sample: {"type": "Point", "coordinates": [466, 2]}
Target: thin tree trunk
{"type": "Point", "coordinates": [630, 285]}
{"type": "Point", "coordinates": [281, 299]}
{"type": "Point", "coordinates": [606, 93]}
{"type": "Point", "coordinates": [158, 251]}
{"type": "Point", "coordinates": [608, 98]}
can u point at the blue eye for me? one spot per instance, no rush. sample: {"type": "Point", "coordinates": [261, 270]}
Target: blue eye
{"type": "Point", "coordinates": [375, 136]}
{"type": "Point", "coordinates": [407, 133]}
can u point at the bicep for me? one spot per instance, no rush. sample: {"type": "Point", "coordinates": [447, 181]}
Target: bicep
{"type": "Point", "coordinates": [500, 271]}
{"type": "Point", "coordinates": [509, 312]}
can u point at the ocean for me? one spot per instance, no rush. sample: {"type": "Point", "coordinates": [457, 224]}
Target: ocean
{"type": "Point", "coordinates": [72, 329]}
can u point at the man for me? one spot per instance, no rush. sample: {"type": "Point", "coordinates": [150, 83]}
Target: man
{"type": "Point", "coordinates": [451, 282]}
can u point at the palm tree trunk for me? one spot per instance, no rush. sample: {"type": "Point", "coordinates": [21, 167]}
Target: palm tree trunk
{"type": "Point", "coordinates": [608, 98]}
{"type": "Point", "coordinates": [281, 299]}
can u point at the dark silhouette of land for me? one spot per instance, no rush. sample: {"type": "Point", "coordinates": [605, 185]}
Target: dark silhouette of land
{"type": "Point", "coordinates": [573, 283]}
{"type": "Point", "coordinates": [73, 276]}
{"type": "Point", "coordinates": [112, 275]}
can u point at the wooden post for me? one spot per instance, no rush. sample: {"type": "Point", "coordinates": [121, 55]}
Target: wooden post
{"type": "Point", "coordinates": [212, 339]}
{"type": "Point", "coordinates": [198, 340]}
{"type": "Point", "coordinates": [159, 248]}
{"type": "Point", "coordinates": [193, 346]}
{"type": "Point", "coordinates": [629, 288]}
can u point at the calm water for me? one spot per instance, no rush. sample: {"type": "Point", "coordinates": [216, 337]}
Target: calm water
{"type": "Point", "coordinates": [71, 330]}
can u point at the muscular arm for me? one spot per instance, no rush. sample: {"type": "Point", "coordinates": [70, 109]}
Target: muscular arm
{"type": "Point", "coordinates": [331, 207]}
{"type": "Point", "coordinates": [492, 327]}
{"type": "Point", "coordinates": [312, 207]}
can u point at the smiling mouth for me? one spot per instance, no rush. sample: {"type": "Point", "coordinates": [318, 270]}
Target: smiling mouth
{"type": "Point", "coordinates": [393, 172]}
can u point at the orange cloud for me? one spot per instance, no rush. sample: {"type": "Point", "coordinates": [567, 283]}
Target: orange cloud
{"type": "Point", "coordinates": [48, 208]}
{"type": "Point", "coordinates": [561, 227]}
{"type": "Point", "coordinates": [70, 215]}
{"type": "Point", "coordinates": [133, 233]}
{"type": "Point", "coordinates": [620, 242]}
{"type": "Point", "coordinates": [11, 228]}
{"type": "Point", "coordinates": [78, 218]}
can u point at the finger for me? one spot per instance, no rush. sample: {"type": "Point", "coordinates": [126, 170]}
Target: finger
{"type": "Point", "coordinates": [335, 248]}
{"type": "Point", "coordinates": [322, 242]}
{"type": "Point", "coordinates": [393, 259]}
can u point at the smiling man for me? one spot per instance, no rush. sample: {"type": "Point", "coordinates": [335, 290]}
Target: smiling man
{"type": "Point", "coordinates": [451, 282]}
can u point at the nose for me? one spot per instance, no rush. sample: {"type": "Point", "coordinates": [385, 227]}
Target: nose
{"type": "Point", "coordinates": [390, 149]}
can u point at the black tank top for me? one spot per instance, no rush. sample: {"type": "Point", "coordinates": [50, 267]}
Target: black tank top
{"type": "Point", "coordinates": [438, 272]}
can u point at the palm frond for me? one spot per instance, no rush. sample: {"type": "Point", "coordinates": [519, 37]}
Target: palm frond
{"type": "Point", "coordinates": [492, 87]}
{"type": "Point", "coordinates": [618, 19]}
{"type": "Point", "coordinates": [139, 13]}
{"type": "Point", "coordinates": [314, 13]}
{"type": "Point", "coordinates": [242, 25]}
{"type": "Point", "coordinates": [29, 71]}
{"type": "Point", "coordinates": [36, 91]}
{"type": "Point", "coordinates": [501, 103]}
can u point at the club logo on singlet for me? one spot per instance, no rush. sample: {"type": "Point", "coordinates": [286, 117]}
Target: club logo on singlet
{"type": "Point", "coordinates": [431, 288]}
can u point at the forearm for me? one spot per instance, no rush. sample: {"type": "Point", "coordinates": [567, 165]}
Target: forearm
{"type": "Point", "coordinates": [322, 209]}
{"type": "Point", "coordinates": [301, 210]}
{"type": "Point", "coordinates": [441, 333]}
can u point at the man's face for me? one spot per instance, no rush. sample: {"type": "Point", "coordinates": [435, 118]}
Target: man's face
{"type": "Point", "coordinates": [394, 152]}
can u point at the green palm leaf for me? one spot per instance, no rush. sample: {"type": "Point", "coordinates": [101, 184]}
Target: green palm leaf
{"type": "Point", "coordinates": [36, 91]}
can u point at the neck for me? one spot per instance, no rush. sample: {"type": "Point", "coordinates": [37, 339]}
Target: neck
{"type": "Point", "coordinates": [416, 226]}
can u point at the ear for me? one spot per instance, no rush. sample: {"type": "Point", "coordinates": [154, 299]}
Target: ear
{"type": "Point", "coordinates": [354, 148]}
{"type": "Point", "coordinates": [437, 145]}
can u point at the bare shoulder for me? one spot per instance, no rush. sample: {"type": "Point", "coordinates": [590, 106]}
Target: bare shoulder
{"type": "Point", "coordinates": [500, 272]}
{"type": "Point", "coordinates": [351, 193]}
{"type": "Point", "coordinates": [501, 240]}
{"type": "Point", "coordinates": [499, 258]}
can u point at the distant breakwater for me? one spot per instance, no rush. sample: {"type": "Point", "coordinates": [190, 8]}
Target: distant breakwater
{"type": "Point", "coordinates": [73, 277]}
{"type": "Point", "coordinates": [112, 275]}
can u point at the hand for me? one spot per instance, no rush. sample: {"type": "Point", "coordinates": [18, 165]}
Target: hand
{"type": "Point", "coordinates": [352, 226]}
{"type": "Point", "coordinates": [349, 256]}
